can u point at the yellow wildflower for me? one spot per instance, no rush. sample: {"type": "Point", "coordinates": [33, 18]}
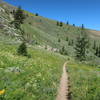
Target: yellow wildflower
{"type": "Point", "coordinates": [2, 92]}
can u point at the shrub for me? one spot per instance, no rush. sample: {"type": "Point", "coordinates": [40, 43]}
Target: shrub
{"type": "Point", "coordinates": [22, 50]}
{"type": "Point", "coordinates": [59, 40]}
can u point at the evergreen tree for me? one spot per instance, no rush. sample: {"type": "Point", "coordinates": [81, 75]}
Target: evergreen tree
{"type": "Point", "coordinates": [97, 51]}
{"type": "Point", "coordinates": [94, 45]}
{"type": "Point", "coordinates": [66, 38]}
{"type": "Point", "coordinates": [36, 14]}
{"type": "Point", "coordinates": [19, 17]}
{"type": "Point", "coordinates": [74, 25]}
{"type": "Point", "coordinates": [58, 23]}
{"type": "Point", "coordinates": [22, 50]}
{"type": "Point", "coordinates": [81, 45]}
{"type": "Point", "coordinates": [62, 50]}
{"type": "Point", "coordinates": [67, 23]}
{"type": "Point", "coordinates": [59, 40]}
{"type": "Point", "coordinates": [61, 24]}
{"type": "Point", "coordinates": [82, 26]}
{"type": "Point", "coordinates": [72, 43]}
{"type": "Point", "coordinates": [69, 43]}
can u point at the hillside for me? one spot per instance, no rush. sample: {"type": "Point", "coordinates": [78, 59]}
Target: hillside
{"type": "Point", "coordinates": [41, 30]}
{"type": "Point", "coordinates": [37, 76]}
{"type": "Point", "coordinates": [34, 78]}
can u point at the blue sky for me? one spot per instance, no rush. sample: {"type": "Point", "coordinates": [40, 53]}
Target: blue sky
{"type": "Point", "coordinates": [77, 12]}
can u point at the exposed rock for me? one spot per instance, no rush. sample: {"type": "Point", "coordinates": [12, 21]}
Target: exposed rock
{"type": "Point", "coordinates": [48, 48]}
{"type": "Point", "coordinates": [14, 69]}
{"type": "Point", "coordinates": [1, 9]}
{"type": "Point", "coordinates": [11, 17]}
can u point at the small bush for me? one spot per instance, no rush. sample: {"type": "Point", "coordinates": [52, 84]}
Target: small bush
{"type": "Point", "coordinates": [22, 50]}
{"type": "Point", "coordinates": [59, 40]}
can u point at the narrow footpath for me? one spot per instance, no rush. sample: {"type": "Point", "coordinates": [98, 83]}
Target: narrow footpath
{"type": "Point", "coordinates": [63, 89]}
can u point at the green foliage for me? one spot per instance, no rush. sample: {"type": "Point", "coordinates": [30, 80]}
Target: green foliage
{"type": "Point", "coordinates": [63, 51]}
{"type": "Point", "coordinates": [36, 14]}
{"type": "Point", "coordinates": [2, 97]}
{"type": "Point", "coordinates": [58, 23]}
{"type": "Point", "coordinates": [19, 17]}
{"type": "Point", "coordinates": [84, 81]}
{"type": "Point", "coordinates": [61, 24]}
{"type": "Point", "coordinates": [36, 78]}
{"type": "Point", "coordinates": [82, 26]}
{"type": "Point", "coordinates": [69, 43]}
{"type": "Point", "coordinates": [94, 45]}
{"type": "Point", "coordinates": [67, 39]}
{"type": "Point", "coordinates": [81, 46]}
{"type": "Point", "coordinates": [72, 42]}
{"type": "Point", "coordinates": [97, 51]}
{"type": "Point", "coordinates": [22, 50]}
{"type": "Point", "coordinates": [59, 40]}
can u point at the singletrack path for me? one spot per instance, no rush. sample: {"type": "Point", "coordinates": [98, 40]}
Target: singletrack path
{"type": "Point", "coordinates": [63, 88]}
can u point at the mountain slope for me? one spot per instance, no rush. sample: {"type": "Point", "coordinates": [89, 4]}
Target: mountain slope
{"type": "Point", "coordinates": [42, 30]}
{"type": "Point", "coordinates": [38, 77]}
{"type": "Point", "coordinates": [34, 78]}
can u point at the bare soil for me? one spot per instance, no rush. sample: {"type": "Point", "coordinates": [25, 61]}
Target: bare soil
{"type": "Point", "coordinates": [63, 90]}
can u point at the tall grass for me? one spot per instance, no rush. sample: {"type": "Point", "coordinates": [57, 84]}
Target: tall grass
{"type": "Point", "coordinates": [36, 78]}
{"type": "Point", "coordinates": [85, 81]}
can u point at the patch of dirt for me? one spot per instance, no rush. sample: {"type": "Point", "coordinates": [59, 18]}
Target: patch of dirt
{"type": "Point", "coordinates": [96, 33]}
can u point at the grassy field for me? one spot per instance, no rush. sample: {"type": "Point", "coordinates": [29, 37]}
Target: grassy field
{"type": "Point", "coordinates": [37, 77]}
{"type": "Point", "coordinates": [85, 81]}
{"type": "Point", "coordinates": [34, 78]}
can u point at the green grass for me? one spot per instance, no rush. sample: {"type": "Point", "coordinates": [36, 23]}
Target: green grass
{"type": "Point", "coordinates": [45, 31]}
{"type": "Point", "coordinates": [38, 78]}
{"type": "Point", "coordinates": [40, 74]}
{"type": "Point", "coordinates": [85, 81]}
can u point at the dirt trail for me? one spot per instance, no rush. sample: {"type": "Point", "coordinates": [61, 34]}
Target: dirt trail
{"type": "Point", "coordinates": [63, 88]}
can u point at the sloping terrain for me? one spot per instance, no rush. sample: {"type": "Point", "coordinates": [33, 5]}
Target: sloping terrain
{"type": "Point", "coordinates": [38, 77]}
{"type": "Point", "coordinates": [84, 81]}
{"type": "Point", "coordinates": [40, 30]}
{"type": "Point", "coordinates": [35, 78]}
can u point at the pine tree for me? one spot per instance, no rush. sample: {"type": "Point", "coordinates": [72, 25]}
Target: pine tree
{"type": "Point", "coordinates": [22, 50]}
{"type": "Point", "coordinates": [74, 25]}
{"type": "Point", "coordinates": [19, 17]}
{"type": "Point", "coordinates": [63, 51]}
{"type": "Point", "coordinates": [36, 14]}
{"type": "Point", "coordinates": [58, 23]}
{"type": "Point", "coordinates": [82, 26]}
{"type": "Point", "coordinates": [94, 45]}
{"type": "Point", "coordinates": [72, 43]}
{"type": "Point", "coordinates": [67, 23]}
{"type": "Point", "coordinates": [59, 40]}
{"type": "Point", "coordinates": [66, 38]}
{"type": "Point", "coordinates": [81, 45]}
{"type": "Point", "coordinates": [61, 24]}
{"type": "Point", "coordinates": [69, 43]}
{"type": "Point", "coordinates": [97, 51]}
